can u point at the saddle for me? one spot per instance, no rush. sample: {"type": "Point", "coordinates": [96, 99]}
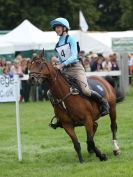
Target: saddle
{"type": "Point", "coordinates": [93, 85]}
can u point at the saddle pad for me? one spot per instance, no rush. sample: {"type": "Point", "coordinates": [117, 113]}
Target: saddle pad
{"type": "Point", "coordinates": [96, 86]}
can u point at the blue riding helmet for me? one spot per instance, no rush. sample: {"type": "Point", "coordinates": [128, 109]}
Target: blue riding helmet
{"type": "Point", "coordinates": [60, 21]}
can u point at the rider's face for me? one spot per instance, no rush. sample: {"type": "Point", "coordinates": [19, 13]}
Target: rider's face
{"type": "Point", "coordinates": [59, 30]}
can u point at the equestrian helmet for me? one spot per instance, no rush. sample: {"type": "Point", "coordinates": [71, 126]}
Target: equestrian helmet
{"type": "Point", "coordinates": [60, 21]}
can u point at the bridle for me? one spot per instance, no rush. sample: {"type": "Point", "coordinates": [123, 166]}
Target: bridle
{"type": "Point", "coordinates": [39, 75]}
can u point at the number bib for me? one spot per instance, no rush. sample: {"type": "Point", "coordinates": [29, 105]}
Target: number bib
{"type": "Point", "coordinates": [64, 52]}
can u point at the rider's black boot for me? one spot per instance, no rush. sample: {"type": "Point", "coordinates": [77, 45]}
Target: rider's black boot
{"type": "Point", "coordinates": [104, 104]}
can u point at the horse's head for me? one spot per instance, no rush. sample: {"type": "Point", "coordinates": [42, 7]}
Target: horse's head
{"type": "Point", "coordinates": [39, 70]}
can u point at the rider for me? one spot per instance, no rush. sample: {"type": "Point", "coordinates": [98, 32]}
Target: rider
{"type": "Point", "coordinates": [68, 61]}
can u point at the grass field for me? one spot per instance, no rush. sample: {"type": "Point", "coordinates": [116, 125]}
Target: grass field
{"type": "Point", "coordinates": [50, 153]}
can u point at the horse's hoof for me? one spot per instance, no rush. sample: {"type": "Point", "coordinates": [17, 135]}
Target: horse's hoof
{"type": "Point", "coordinates": [91, 151]}
{"type": "Point", "coordinates": [103, 157]}
{"type": "Point", "coordinates": [82, 161]}
{"type": "Point", "coordinates": [116, 152]}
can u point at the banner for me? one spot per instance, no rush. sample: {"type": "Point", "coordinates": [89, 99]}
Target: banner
{"type": "Point", "coordinates": [7, 89]}
{"type": "Point", "coordinates": [124, 44]}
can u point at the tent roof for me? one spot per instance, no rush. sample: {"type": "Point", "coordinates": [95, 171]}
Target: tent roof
{"type": "Point", "coordinates": [89, 43]}
{"type": "Point", "coordinates": [25, 36]}
{"type": "Point", "coordinates": [28, 37]}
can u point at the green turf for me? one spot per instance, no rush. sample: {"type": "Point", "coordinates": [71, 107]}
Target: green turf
{"type": "Point", "coordinates": [50, 153]}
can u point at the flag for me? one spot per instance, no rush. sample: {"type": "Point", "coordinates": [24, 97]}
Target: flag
{"type": "Point", "coordinates": [82, 22]}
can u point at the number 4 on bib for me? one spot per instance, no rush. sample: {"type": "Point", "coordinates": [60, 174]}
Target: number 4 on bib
{"type": "Point", "coordinates": [63, 53]}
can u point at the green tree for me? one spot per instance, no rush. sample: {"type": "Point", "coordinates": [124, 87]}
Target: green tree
{"type": "Point", "coordinates": [12, 12]}
{"type": "Point", "coordinates": [110, 14]}
{"type": "Point", "coordinates": [106, 15]}
{"type": "Point", "coordinates": [70, 10]}
{"type": "Point", "coordinates": [127, 14]}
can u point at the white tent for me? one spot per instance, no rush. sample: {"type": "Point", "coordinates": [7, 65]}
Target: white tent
{"type": "Point", "coordinates": [89, 43]}
{"type": "Point", "coordinates": [6, 48]}
{"type": "Point", "coordinates": [106, 37]}
{"type": "Point", "coordinates": [25, 37]}
{"type": "Point", "coordinates": [50, 40]}
{"type": "Point", "coordinates": [28, 37]}
{"type": "Point", "coordinates": [99, 42]}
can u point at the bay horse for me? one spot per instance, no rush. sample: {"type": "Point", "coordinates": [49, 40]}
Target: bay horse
{"type": "Point", "coordinates": [78, 109]}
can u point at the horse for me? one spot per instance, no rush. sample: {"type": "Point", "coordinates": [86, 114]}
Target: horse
{"type": "Point", "coordinates": [78, 110]}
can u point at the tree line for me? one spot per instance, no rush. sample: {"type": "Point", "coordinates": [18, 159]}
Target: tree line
{"type": "Point", "coordinates": [103, 15]}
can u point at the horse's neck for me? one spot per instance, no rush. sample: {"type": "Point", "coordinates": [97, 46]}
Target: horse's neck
{"type": "Point", "coordinates": [59, 86]}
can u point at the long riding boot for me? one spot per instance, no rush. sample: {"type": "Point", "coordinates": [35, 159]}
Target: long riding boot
{"type": "Point", "coordinates": [104, 104]}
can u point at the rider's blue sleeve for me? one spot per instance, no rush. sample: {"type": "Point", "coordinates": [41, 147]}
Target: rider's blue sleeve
{"type": "Point", "coordinates": [74, 51]}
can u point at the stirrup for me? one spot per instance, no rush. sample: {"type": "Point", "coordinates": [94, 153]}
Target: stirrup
{"type": "Point", "coordinates": [53, 124]}
{"type": "Point", "coordinates": [74, 91]}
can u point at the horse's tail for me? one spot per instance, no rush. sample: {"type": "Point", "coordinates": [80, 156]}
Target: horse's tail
{"type": "Point", "coordinates": [119, 94]}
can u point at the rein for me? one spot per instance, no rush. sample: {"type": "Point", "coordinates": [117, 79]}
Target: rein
{"type": "Point", "coordinates": [58, 101]}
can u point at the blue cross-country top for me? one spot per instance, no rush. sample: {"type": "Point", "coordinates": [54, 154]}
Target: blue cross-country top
{"type": "Point", "coordinates": [67, 51]}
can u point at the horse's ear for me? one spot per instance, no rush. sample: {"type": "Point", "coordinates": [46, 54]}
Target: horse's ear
{"type": "Point", "coordinates": [41, 55]}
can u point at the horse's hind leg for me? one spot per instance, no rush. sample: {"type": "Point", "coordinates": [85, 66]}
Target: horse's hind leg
{"type": "Point", "coordinates": [90, 141]}
{"type": "Point", "coordinates": [95, 125]}
{"type": "Point", "coordinates": [70, 131]}
{"type": "Point", "coordinates": [116, 149]}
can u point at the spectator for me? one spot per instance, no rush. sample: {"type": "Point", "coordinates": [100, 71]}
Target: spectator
{"type": "Point", "coordinates": [131, 63]}
{"type": "Point", "coordinates": [1, 68]}
{"type": "Point", "coordinates": [106, 64]}
{"type": "Point", "coordinates": [82, 57]}
{"type": "Point", "coordinates": [16, 68]}
{"type": "Point", "coordinates": [5, 71]}
{"type": "Point", "coordinates": [3, 62]}
{"type": "Point", "coordinates": [81, 54]}
{"type": "Point", "coordinates": [113, 59]}
{"type": "Point", "coordinates": [86, 64]}
{"type": "Point", "coordinates": [93, 62]}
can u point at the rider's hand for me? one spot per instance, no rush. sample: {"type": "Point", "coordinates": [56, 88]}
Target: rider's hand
{"type": "Point", "coordinates": [54, 60]}
{"type": "Point", "coordinates": [59, 66]}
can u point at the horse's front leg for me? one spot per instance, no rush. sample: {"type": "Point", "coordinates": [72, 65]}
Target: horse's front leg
{"type": "Point", "coordinates": [70, 131]}
{"type": "Point", "coordinates": [116, 149]}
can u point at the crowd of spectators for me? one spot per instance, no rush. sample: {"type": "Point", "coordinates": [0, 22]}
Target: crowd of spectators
{"type": "Point", "coordinates": [98, 62]}
{"type": "Point", "coordinates": [91, 62]}
{"type": "Point", "coordinates": [27, 91]}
